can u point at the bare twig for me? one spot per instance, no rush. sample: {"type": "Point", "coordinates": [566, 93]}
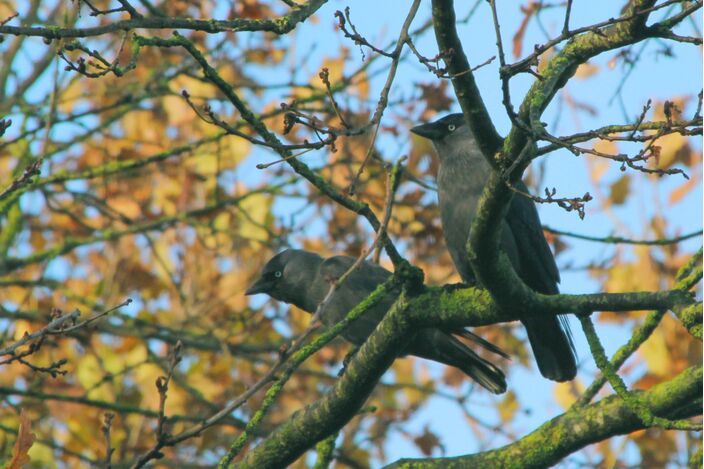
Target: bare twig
{"type": "Point", "coordinates": [342, 20]}
{"type": "Point", "coordinates": [325, 77]}
{"type": "Point", "coordinates": [24, 180]}
{"type": "Point", "coordinates": [162, 386]}
{"type": "Point", "coordinates": [384, 95]}
{"type": "Point", "coordinates": [105, 428]}
{"type": "Point", "coordinates": [58, 326]}
{"type": "Point", "coordinates": [567, 203]}
{"type": "Point", "coordinates": [621, 240]}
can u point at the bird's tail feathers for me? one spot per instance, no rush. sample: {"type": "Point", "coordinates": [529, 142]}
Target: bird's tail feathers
{"type": "Point", "coordinates": [482, 371]}
{"type": "Point", "coordinates": [552, 345]}
{"type": "Point", "coordinates": [467, 334]}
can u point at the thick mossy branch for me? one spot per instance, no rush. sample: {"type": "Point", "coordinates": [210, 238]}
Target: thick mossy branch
{"type": "Point", "coordinates": [295, 361]}
{"type": "Point", "coordinates": [462, 307]}
{"type": "Point", "coordinates": [631, 399]}
{"type": "Point", "coordinates": [472, 307]}
{"type": "Point", "coordinates": [640, 335]}
{"type": "Point", "coordinates": [465, 86]}
{"type": "Point", "coordinates": [328, 415]}
{"type": "Point", "coordinates": [678, 398]}
{"type": "Point", "coordinates": [325, 449]}
{"type": "Point", "coordinates": [691, 318]}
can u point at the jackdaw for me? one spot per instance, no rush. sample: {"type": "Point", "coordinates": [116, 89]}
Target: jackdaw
{"type": "Point", "coordinates": [303, 278]}
{"type": "Point", "coordinates": [462, 173]}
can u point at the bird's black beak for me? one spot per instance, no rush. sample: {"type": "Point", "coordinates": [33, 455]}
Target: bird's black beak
{"type": "Point", "coordinates": [429, 131]}
{"type": "Point", "coordinates": [260, 286]}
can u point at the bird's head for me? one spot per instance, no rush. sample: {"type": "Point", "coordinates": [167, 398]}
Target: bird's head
{"type": "Point", "coordinates": [287, 277]}
{"type": "Point", "coordinates": [449, 135]}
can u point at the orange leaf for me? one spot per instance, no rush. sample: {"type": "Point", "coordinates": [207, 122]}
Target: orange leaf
{"type": "Point", "coordinates": [586, 70]}
{"type": "Point", "coordinates": [679, 193]}
{"type": "Point", "coordinates": [521, 31]}
{"type": "Point", "coordinates": [125, 206]}
{"type": "Point", "coordinates": [25, 439]}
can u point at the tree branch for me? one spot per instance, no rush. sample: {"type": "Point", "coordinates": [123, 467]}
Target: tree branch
{"type": "Point", "coordinates": [281, 25]}
{"type": "Point", "coordinates": [465, 86]}
{"type": "Point", "coordinates": [680, 397]}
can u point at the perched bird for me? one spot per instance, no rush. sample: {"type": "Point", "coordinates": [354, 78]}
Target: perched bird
{"type": "Point", "coordinates": [303, 278]}
{"type": "Point", "coordinates": [462, 173]}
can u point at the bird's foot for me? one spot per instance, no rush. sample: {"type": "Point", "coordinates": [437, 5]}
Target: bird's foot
{"type": "Point", "coordinates": [450, 287]}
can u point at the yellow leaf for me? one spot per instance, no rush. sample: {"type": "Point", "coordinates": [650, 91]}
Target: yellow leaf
{"type": "Point", "coordinates": [566, 393]}
{"type": "Point", "coordinates": [239, 149]}
{"type": "Point", "coordinates": [71, 95]}
{"type": "Point", "coordinates": [89, 373]}
{"type": "Point", "coordinates": [215, 159]}
{"type": "Point", "coordinates": [545, 59]}
{"type": "Point", "coordinates": [222, 221]}
{"type": "Point", "coordinates": [599, 168]}
{"type": "Point", "coordinates": [253, 216]}
{"type": "Point", "coordinates": [335, 69]}
{"type": "Point", "coordinates": [362, 86]}
{"type": "Point", "coordinates": [144, 126]}
{"type": "Point", "coordinates": [672, 147]}
{"type": "Point", "coordinates": [416, 227]}
{"type": "Point", "coordinates": [178, 111]}
{"type": "Point", "coordinates": [195, 87]}
{"type": "Point", "coordinates": [404, 214]}
{"type": "Point", "coordinates": [656, 354]}
{"type": "Point", "coordinates": [508, 406]}
{"type": "Point", "coordinates": [586, 70]}
{"type": "Point", "coordinates": [606, 146]}
{"type": "Point", "coordinates": [620, 190]}
{"type": "Point", "coordinates": [125, 206]}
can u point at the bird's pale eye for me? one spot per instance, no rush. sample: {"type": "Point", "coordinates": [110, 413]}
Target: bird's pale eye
{"type": "Point", "coordinates": [451, 127]}
{"type": "Point", "coordinates": [278, 274]}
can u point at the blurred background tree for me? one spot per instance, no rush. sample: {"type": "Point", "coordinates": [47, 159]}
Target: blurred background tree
{"type": "Point", "coordinates": [155, 154]}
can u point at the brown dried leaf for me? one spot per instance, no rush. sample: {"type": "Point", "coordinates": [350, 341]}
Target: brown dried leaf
{"type": "Point", "coordinates": [25, 440]}
{"type": "Point", "coordinates": [427, 442]}
{"type": "Point", "coordinates": [435, 96]}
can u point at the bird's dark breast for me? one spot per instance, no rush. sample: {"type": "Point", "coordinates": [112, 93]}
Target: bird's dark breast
{"type": "Point", "coordinates": [458, 196]}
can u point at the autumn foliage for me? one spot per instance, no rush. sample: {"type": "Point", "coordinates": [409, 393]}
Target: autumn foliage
{"type": "Point", "coordinates": [152, 160]}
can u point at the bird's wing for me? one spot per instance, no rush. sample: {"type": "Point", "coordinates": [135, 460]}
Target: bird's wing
{"type": "Point", "coordinates": [550, 338]}
{"type": "Point", "coordinates": [365, 278]}
{"type": "Point", "coordinates": [537, 261]}
{"type": "Point", "coordinates": [351, 292]}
